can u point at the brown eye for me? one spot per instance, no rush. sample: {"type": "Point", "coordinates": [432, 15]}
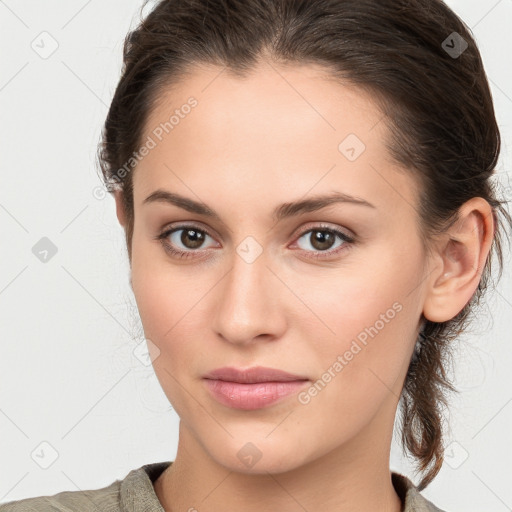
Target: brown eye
{"type": "Point", "coordinates": [323, 240]}
{"type": "Point", "coordinates": [183, 241]}
{"type": "Point", "coordinates": [192, 238]}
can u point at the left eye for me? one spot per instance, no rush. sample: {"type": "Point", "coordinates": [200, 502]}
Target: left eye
{"type": "Point", "coordinates": [323, 239]}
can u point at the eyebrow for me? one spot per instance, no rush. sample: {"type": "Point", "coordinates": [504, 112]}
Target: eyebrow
{"type": "Point", "coordinates": [282, 211]}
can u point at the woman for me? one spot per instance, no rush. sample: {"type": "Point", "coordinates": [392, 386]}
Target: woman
{"type": "Point", "coordinates": [305, 191]}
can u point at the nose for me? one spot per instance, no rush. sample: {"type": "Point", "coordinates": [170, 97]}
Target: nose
{"type": "Point", "coordinates": [250, 304]}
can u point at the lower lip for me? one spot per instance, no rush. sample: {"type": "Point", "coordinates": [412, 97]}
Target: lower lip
{"type": "Point", "coordinates": [252, 396]}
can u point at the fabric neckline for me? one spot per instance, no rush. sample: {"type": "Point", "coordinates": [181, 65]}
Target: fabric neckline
{"type": "Point", "coordinates": [137, 493]}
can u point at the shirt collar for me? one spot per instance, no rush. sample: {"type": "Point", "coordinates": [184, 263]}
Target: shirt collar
{"type": "Point", "coordinates": [137, 493]}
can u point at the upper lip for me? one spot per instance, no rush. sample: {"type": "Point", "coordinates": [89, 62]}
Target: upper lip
{"type": "Point", "coordinates": [252, 375]}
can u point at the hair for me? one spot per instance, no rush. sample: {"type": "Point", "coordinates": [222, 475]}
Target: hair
{"type": "Point", "coordinates": [437, 106]}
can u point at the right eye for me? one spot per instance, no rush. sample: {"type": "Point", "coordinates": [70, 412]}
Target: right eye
{"type": "Point", "coordinates": [189, 236]}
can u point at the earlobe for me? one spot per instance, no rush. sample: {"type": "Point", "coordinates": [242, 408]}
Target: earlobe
{"type": "Point", "coordinates": [462, 252]}
{"type": "Point", "coordinates": [121, 217]}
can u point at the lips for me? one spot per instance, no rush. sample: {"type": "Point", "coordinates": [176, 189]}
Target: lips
{"type": "Point", "coordinates": [253, 388]}
{"type": "Point", "coordinates": [253, 375]}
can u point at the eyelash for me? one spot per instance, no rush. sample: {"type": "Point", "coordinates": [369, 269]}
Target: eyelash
{"type": "Point", "coordinates": [316, 255]}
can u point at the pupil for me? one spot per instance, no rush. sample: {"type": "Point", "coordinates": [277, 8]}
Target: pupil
{"type": "Point", "coordinates": [322, 240]}
{"type": "Point", "coordinates": [195, 236]}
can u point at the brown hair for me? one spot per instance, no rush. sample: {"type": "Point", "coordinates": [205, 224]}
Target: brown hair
{"type": "Point", "coordinates": [433, 90]}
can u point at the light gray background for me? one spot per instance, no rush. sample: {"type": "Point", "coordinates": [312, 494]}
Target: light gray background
{"type": "Point", "coordinates": [69, 376]}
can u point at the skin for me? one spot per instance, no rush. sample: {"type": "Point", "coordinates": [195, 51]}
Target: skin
{"type": "Point", "coordinates": [247, 147]}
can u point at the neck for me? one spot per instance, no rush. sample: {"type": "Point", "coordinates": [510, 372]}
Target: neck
{"type": "Point", "coordinates": [352, 478]}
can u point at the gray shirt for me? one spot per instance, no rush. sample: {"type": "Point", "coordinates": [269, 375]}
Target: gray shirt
{"type": "Point", "coordinates": [135, 493]}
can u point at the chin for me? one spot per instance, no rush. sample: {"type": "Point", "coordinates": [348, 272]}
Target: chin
{"type": "Point", "coordinates": [251, 460]}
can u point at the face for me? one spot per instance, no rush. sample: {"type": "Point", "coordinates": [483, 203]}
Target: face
{"type": "Point", "coordinates": [331, 293]}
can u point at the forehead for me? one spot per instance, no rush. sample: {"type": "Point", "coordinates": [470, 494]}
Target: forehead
{"type": "Point", "coordinates": [290, 128]}
{"type": "Point", "coordinates": [277, 99]}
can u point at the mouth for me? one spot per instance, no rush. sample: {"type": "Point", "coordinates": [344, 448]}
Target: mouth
{"type": "Point", "coordinates": [252, 388]}
{"type": "Point", "coordinates": [253, 375]}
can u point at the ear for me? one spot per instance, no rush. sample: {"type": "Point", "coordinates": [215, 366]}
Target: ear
{"type": "Point", "coordinates": [459, 259]}
{"type": "Point", "coordinates": [121, 216]}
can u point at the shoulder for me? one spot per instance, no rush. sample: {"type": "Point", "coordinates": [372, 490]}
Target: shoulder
{"type": "Point", "coordinates": [129, 494]}
{"type": "Point", "coordinates": [105, 499]}
{"type": "Point", "coordinates": [413, 500]}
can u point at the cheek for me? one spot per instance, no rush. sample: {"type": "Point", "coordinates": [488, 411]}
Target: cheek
{"type": "Point", "coordinates": [361, 367]}
{"type": "Point", "coordinates": [171, 302]}
{"type": "Point", "coordinates": [156, 286]}
{"type": "Point", "coordinates": [165, 306]}
{"type": "Point", "coordinates": [366, 315]}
